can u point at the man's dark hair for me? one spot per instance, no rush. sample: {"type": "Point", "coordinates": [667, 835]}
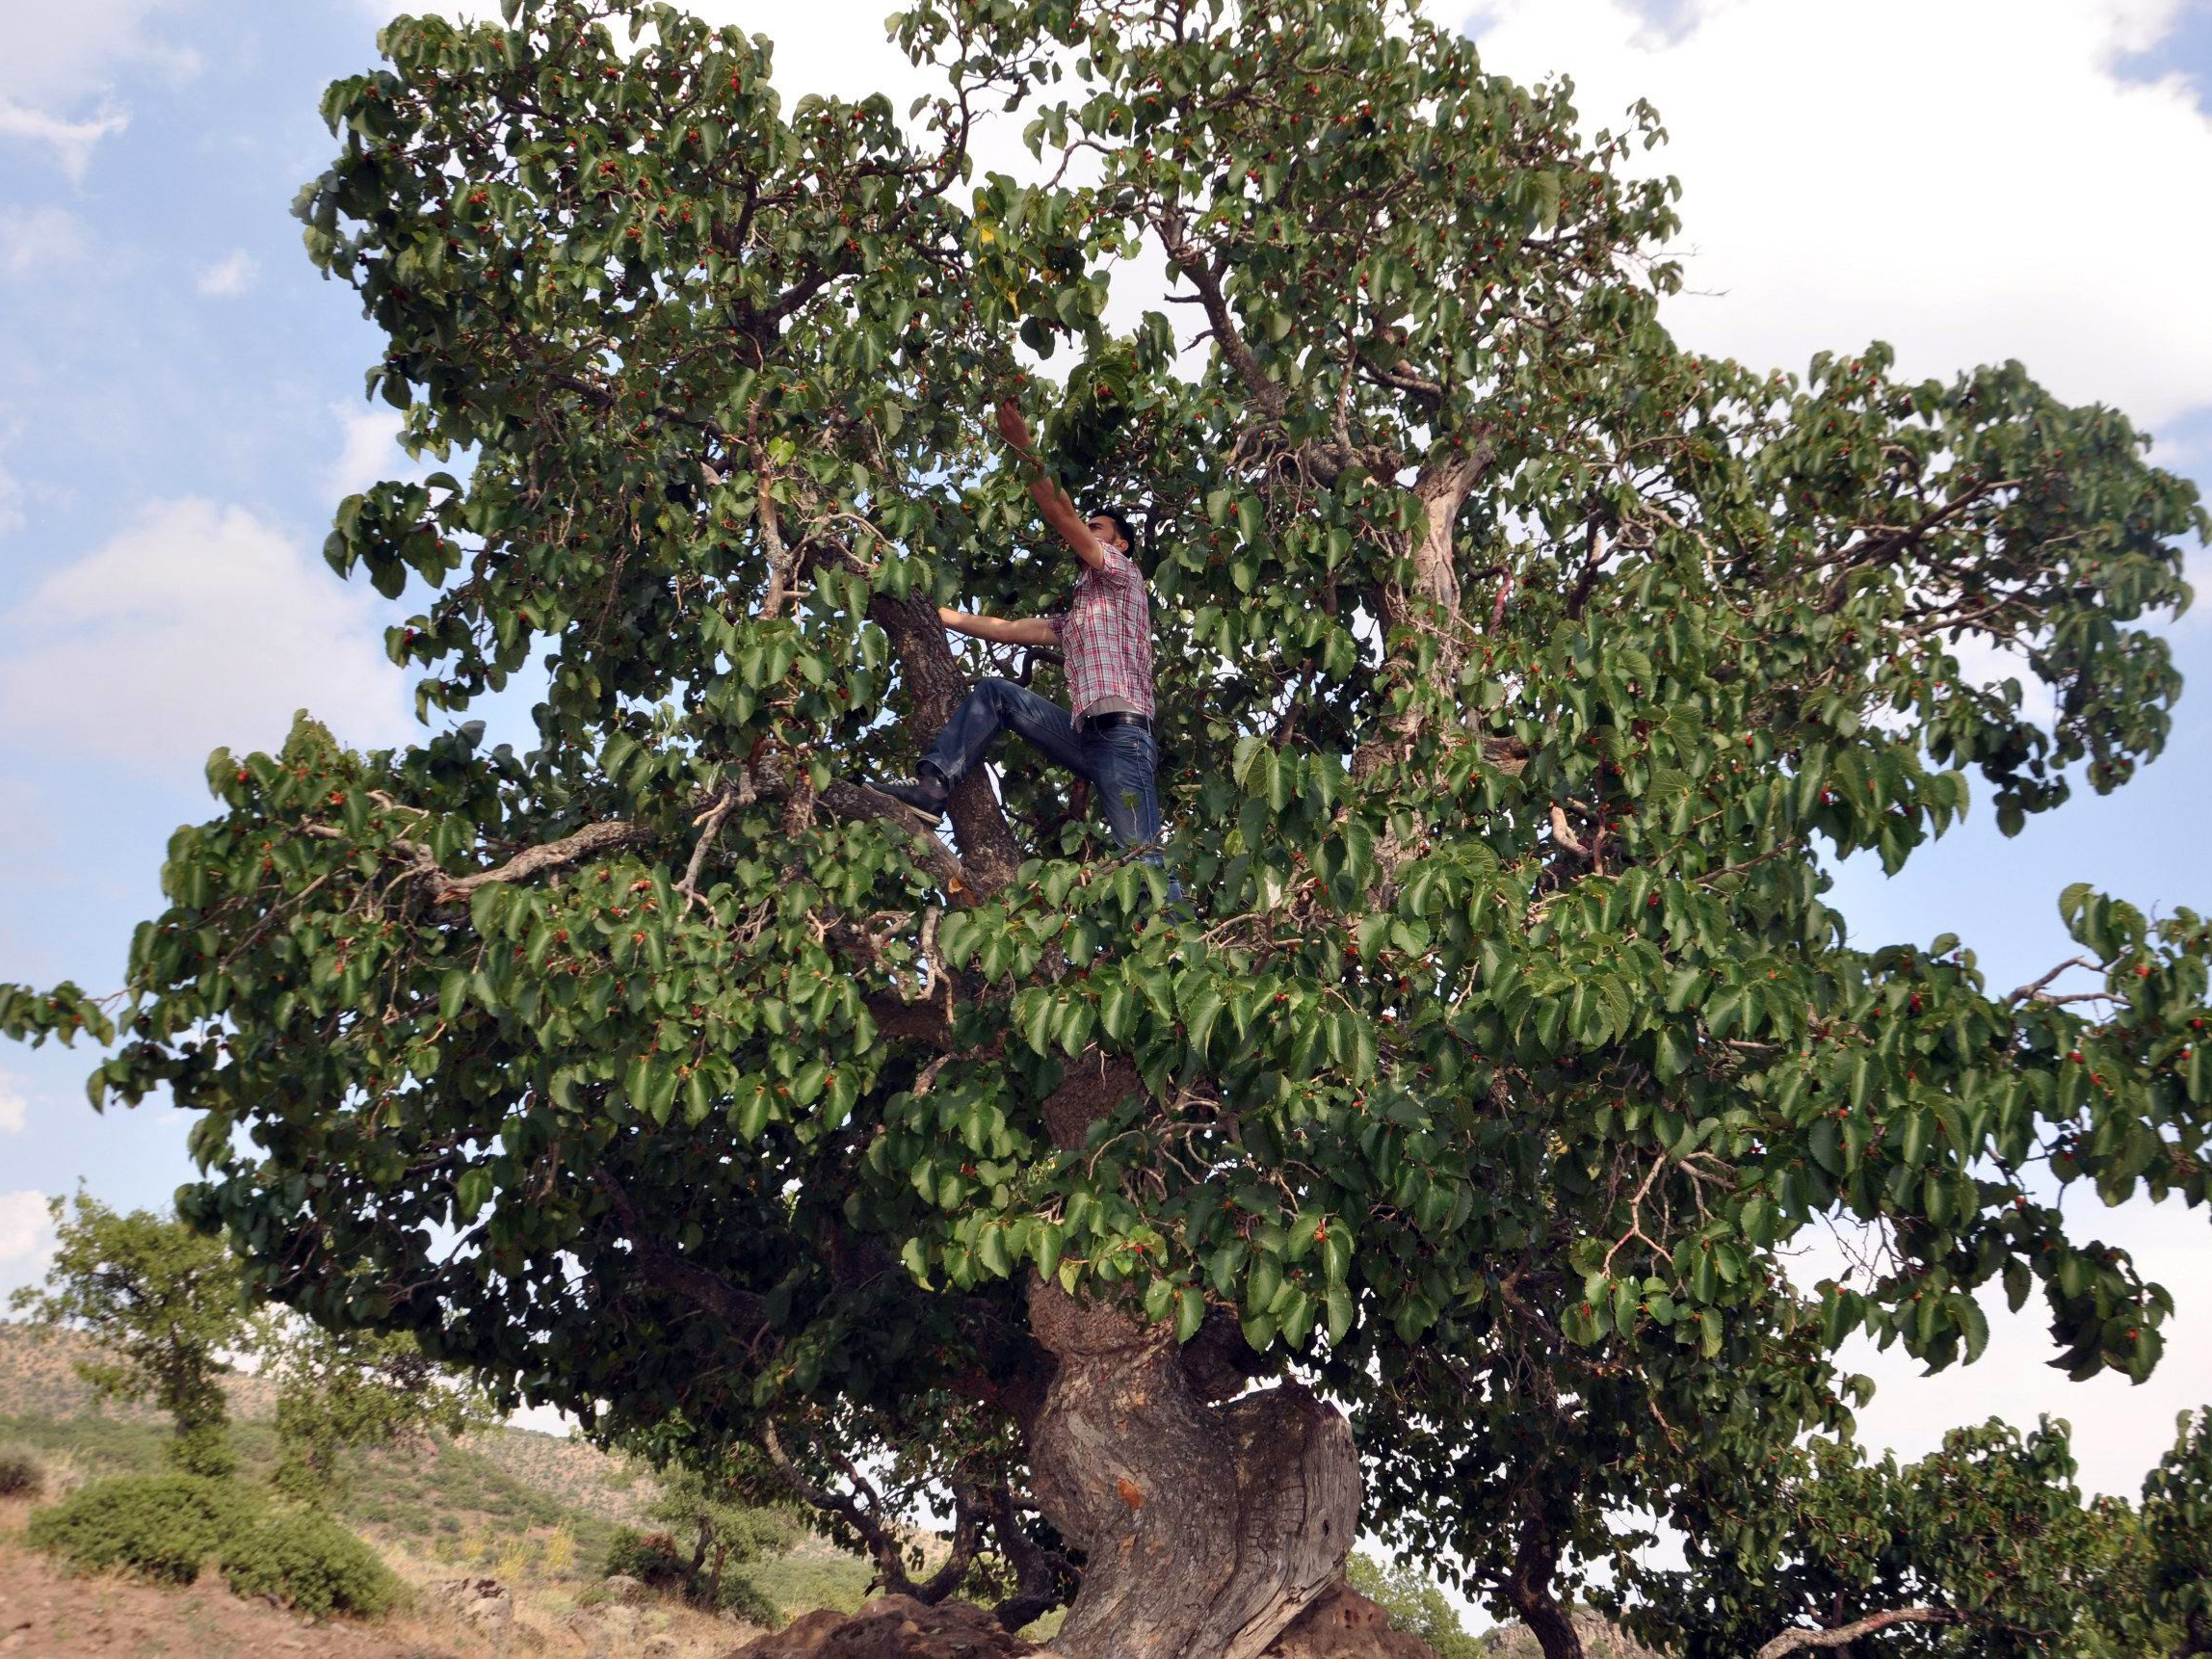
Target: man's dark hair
{"type": "Point", "coordinates": [1121, 523]}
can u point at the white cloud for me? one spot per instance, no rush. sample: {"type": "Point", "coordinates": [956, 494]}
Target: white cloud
{"type": "Point", "coordinates": [369, 451]}
{"type": "Point", "coordinates": [72, 141]}
{"type": "Point", "coordinates": [197, 625]}
{"type": "Point", "coordinates": [59, 56]}
{"type": "Point", "coordinates": [15, 1105]}
{"type": "Point", "coordinates": [42, 237]}
{"type": "Point", "coordinates": [26, 1228]}
{"type": "Point", "coordinates": [11, 517]}
{"type": "Point", "coordinates": [232, 275]}
{"type": "Point", "coordinates": [1966, 178]}
{"type": "Point", "coordinates": [59, 53]}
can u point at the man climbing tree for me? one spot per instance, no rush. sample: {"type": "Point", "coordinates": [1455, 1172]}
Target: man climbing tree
{"type": "Point", "coordinates": [1104, 735]}
{"type": "Point", "coordinates": [1432, 1175]}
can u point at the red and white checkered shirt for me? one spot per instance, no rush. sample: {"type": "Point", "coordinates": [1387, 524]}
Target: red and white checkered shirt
{"type": "Point", "coordinates": [1106, 636]}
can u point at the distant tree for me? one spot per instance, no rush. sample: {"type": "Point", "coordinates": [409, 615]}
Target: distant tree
{"type": "Point", "coordinates": [163, 1303]}
{"type": "Point", "coordinates": [1414, 1603]}
{"type": "Point", "coordinates": [715, 1526]}
{"type": "Point", "coordinates": [2178, 1529]}
{"type": "Point", "coordinates": [336, 1390]}
{"type": "Point", "coordinates": [1983, 1548]}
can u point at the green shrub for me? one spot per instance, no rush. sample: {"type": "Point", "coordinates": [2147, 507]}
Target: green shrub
{"type": "Point", "coordinates": [649, 1558]}
{"type": "Point", "coordinates": [309, 1562]}
{"type": "Point", "coordinates": [740, 1597]}
{"type": "Point", "coordinates": [163, 1526]}
{"type": "Point", "coordinates": [21, 1474]}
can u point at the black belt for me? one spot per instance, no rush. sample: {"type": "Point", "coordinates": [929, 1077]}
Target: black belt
{"type": "Point", "coordinates": [1111, 718]}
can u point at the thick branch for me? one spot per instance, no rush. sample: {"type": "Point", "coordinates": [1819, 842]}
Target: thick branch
{"type": "Point", "coordinates": [1042, 1578]}
{"type": "Point", "coordinates": [967, 1534]}
{"type": "Point", "coordinates": [1187, 259]}
{"type": "Point", "coordinates": [988, 854]}
{"type": "Point", "coordinates": [585, 843]}
{"type": "Point", "coordinates": [882, 1542]}
{"type": "Point", "coordinates": [1791, 1640]}
{"type": "Point", "coordinates": [857, 801]}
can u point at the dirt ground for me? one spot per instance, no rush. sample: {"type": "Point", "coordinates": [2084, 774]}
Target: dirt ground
{"type": "Point", "coordinates": [43, 1611]}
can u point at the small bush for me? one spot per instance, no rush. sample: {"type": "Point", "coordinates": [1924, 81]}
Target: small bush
{"type": "Point", "coordinates": [742, 1599]}
{"type": "Point", "coordinates": [309, 1562]}
{"type": "Point", "coordinates": [163, 1526]}
{"type": "Point", "coordinates": [21, 1474]}
{"type": "Point", "coordinates": [649, 1558]}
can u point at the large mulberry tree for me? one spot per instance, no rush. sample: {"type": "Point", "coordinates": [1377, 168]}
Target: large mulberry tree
{"type": "Point", "coordinates": [1521, 676]}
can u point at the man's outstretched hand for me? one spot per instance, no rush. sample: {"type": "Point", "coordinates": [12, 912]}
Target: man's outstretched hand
{"type": "Point", "coordinates": [1010, 426]}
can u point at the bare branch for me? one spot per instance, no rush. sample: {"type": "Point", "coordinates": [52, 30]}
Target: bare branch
{"type": "Point", "coordinates": [585, 843]}
{"type": "Point", "coordinates": [1791, 1640]}
{"type": "Point", "coordinates": [882, 1543]}
{"type": "Point", "coordinates": [2034, 987]}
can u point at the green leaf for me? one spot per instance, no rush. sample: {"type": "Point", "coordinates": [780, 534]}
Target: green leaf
{"type": "Point", "coordinates": [1190, 1313]}
{"type": "Point", "coordinates": [471, 1193]}
{"type": "Point", "coordinates": [1339, 1303]}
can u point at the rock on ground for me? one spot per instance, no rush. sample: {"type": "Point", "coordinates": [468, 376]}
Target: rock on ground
{"type": "Point", "coordinates": [890, 1628]}
{"type": "Point", "coordinates": [1601, 1639]}
{"type": "Point", "coordinates": [485, 1603]}
{"type": "Point", "coordinates": [1343, 1625]}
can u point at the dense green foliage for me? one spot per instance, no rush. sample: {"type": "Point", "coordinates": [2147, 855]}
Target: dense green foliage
{"type": "Point", "coordinates": [307, 1563]}
{"type": "Point", "coordinates": [2177, 1529]}
{"type": "Point", "coordinates": [1988, 1534]}
{"type": "Point", "coordinates": [163, 1527]}
{"type": "Point", "coordinates": [168, 1527]}
{"type": "Point", "coordinates": [651, 1558]}
{"type": "Point", "coordinates": [1519, 672]}
{"type": "Point", "coordinates": [166, 1305]}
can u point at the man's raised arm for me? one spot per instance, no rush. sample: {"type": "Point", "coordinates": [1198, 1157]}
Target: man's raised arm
{"type": "Point", "coordinates": [998, 630]}
{"type": "Point", "coordinates": [1052, 500]}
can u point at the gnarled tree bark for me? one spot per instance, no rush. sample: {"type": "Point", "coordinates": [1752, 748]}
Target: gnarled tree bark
{"type": "Point", "coordinates": [1207, 1524]}
{"type": "Point", "coordinates": [1206, 1528]}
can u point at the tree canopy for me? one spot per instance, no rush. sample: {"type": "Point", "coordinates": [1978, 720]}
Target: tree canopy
{"type": "Point", "coordinates": [1522, 677]}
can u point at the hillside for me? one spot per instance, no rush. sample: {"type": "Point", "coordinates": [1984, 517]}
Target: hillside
{"type": "Point", "coordinates": [534, 1511]}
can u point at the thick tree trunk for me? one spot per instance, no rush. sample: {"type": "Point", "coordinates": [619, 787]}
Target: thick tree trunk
{"type": "Point", "coordinates": [1529, 1590]}
{"type": "Point", "coordinates": [1207, 1523]}
{"type": "Point", "coordinates": [1205, 1528]}
{"type": "Point", "coordinates": [1431, 604]}
{"type": "Point", "coordinates": [936, 685]}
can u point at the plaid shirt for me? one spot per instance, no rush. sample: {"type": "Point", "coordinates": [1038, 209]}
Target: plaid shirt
{"type": "Point", "coordinates": [1106, 636]}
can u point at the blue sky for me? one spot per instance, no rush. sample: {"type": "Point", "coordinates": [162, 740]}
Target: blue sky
{"type": "Point", "coordinates": [180, 411]}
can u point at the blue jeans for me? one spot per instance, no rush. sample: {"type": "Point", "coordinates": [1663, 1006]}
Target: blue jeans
{"type": "Point", "coordinates": [1119, 762]}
